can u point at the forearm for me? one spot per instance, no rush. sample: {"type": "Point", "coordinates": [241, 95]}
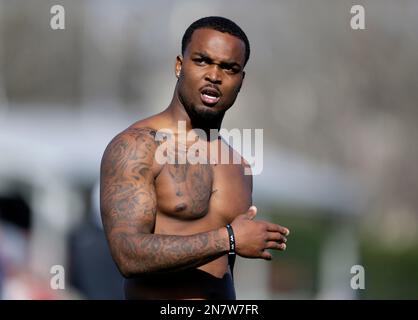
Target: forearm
{"type": "Point", "coordinates": [148, 253]}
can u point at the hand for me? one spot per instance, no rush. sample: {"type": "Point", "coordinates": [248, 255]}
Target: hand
{"type": "Point", "coordinates": [252, 238]}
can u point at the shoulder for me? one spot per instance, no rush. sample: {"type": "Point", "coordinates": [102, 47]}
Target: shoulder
{"type": "Point", "coordinates": [239, 160]}
{"type": "Point", "coordinates": [246, 166]}
{"type": "Point", "coordinates": [133, 139]}
{"type": "Point", "coordinates": [140, 134]}
{"type": "Point", "coordinates": [135, 144]}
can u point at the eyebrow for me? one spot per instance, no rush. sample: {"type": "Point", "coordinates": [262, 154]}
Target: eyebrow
{"type": "Point", "coordinates": [223, 63]}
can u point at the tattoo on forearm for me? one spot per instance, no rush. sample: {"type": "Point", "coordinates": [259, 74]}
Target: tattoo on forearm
{"type": "Point", "coordinates": [171, 253]}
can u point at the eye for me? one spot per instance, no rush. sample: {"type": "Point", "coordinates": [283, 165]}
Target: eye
{"type": "Point", "coordinates": [200, 61]}
{"type": "Point", "coordinates": [231, 69]}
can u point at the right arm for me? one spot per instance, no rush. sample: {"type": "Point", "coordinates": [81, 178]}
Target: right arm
{"type": "Point", "coordinates": [128, 208]}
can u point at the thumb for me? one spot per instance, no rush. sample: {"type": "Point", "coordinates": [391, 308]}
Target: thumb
{"type": "Point", "coordinates": [252, 212]}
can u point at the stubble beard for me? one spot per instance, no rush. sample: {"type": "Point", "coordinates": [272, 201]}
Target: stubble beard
{"type": "Point", "coordinates": [205, 116]}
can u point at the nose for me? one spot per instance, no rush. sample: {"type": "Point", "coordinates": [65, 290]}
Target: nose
{"type": "Point", "coordinates": [213, 75]}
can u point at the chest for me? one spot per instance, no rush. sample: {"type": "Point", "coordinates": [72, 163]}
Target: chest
{"type": "Point", "coordinates": [190, 192]}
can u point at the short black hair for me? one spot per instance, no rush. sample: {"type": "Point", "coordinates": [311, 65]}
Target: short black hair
{"type": "Point", "coordinates": [220, 24]}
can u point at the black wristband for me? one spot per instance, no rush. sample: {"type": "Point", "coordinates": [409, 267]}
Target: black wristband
{"type": "Point", "coordinates": [231, 239]}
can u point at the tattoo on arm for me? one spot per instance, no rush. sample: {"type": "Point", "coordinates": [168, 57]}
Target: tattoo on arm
{"type": "Point", "coordinates": [129, 207]}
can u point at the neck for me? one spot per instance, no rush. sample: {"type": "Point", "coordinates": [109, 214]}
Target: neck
{"type": "Point", "coordinates": [177, 112]}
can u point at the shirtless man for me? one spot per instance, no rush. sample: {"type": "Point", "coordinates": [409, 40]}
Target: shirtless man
{"type": "Point", "coordinates": [166, 223]}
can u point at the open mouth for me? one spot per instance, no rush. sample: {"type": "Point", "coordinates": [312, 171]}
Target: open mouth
{"type": "Point", "coordinates": [210, 96]}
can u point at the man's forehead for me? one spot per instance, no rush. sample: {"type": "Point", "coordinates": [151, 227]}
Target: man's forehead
{"type": "Point", "coordinates": [218, 45]}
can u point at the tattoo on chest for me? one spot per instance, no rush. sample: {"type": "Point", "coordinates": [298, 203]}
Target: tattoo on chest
{"type": "Point", "coordinates": [193, 185]}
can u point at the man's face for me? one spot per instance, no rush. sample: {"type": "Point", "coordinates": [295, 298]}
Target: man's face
{"type": "Point", "coordinates": [210, 73]}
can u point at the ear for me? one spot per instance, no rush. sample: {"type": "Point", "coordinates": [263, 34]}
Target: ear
{"type": "Point", "coordinates": [179, 63]}
{"type": "Point", "coordinates": [242, 80]}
